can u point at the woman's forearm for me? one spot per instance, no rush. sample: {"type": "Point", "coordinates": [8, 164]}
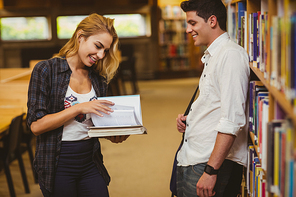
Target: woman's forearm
{"type": "Point", "coordinates": [52, 121]}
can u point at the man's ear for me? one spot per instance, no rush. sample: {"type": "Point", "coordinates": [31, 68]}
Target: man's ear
{"type": "Point", "coordinates": [213, 21]}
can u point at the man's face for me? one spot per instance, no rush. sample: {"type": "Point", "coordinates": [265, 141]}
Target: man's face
{"type": "Point", "coordinates": [198, 28]}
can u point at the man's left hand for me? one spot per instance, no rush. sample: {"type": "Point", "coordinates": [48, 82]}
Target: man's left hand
{"type": "Point", "coordinates": [205, 185]}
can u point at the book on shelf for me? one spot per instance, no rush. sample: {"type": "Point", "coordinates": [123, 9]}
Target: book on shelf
{"type": "Point", "coordinates": [258, 123]}
{"type": "Point", "coordinates": [251, 37]}
{"type": "Point", "coordinates": [282, 162]}
{"type": "Point", "coordinates": [263, 41]}
{"type": "Point", "coordinates": [257, 91]}
{"type": "Point", "coordinates": [245, 30]}
{"type": "Point", "coordinates": [126, 118]}
{"type": "Point", "coordinates": [290, 164]}
{"type": "Point", "coordinates": [249, 182]}
{"type": "Point", "coordinates": [291, 71]}
{"type": "Point", "coordinates": [241, 8]}
{"type": "Point", "coordinates": [270, 155]}
{"type": "Point", "coordinates": [255, 37]}
{"type": "Point", "coordinates": [171, 11]}
{"type": "Point", "coordinates": [281, 158]}
{"type": "Point", "coordinates": [256, 182]}
{"type": "Point", "coordinates": [276, 160]}
{"type": "Point", "coordinates": [263, 144]}
{"type": "Point", "coordinates": [231, 22]}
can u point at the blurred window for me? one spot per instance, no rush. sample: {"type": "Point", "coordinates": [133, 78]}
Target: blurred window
{"type": "Point", "coordinates": [66, 25]}
{"type": "Point", "coordinates": [24, 28]}
{"type": "Point", "coordinates": [126, 25]}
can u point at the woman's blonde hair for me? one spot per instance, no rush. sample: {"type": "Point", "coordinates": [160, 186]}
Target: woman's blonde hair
{"type": "Point", "coordinates": [91, 25]}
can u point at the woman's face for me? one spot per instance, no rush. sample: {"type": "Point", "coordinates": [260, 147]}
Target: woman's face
{"type": "Point", "coordinates": [94, 47]}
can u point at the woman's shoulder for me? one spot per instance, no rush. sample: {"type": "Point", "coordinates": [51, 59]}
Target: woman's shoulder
{"type": "Point", "coordinates": [50, 64]}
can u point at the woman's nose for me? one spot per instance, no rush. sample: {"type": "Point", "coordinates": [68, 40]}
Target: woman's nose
{"type": "Point", "coordinates": [101, 54]}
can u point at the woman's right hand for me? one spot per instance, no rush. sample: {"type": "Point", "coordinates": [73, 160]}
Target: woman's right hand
{"type": "Point", "coordinates": [180, 124]}
{"type": "Point", "coordinates": [96, 107]}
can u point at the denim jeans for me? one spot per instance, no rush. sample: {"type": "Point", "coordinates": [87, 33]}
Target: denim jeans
{"type": "Point", "coordinates": [187, 177]}
{"type": "Point", "coordinates": [227, 185]}
{"type": "Point", "coordinates": [76, 174]}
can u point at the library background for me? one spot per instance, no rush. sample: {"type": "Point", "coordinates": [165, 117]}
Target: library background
{"type": "Point", "coordinates": [154, 45]}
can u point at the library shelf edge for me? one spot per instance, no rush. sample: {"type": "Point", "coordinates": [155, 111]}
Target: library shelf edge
{"type": "Point", "coordinates": [276, 94]}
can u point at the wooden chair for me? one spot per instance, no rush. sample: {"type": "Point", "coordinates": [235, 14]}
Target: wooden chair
{"type": "Point", "coordinates": [11, 150]}
{"type": "Point", "coordinates": [26, 143]}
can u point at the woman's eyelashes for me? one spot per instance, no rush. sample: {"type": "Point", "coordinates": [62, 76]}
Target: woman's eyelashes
{"type": "Point", "coordinates": [100, 47]}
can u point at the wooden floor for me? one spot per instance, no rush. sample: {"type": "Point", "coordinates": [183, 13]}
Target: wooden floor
{"type": "Point", "coordinates": [140, 166]}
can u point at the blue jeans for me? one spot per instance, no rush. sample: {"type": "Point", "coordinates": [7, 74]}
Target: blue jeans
{"type": "Point", "coordinates": [227, 185]}
{"type": "Point", "coordinates": [187, 178]}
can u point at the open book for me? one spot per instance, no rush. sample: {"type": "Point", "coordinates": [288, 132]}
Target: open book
{"type": "Point", "coordinates": [126, 118]}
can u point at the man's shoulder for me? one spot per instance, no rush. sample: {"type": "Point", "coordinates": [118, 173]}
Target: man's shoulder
{"type": "Point", "coordinates": [231, 47]}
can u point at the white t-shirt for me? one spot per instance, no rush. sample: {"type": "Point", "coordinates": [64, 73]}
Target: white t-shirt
{"type": "Point", "coordinates": [76, 128]}
{"type": "Point", "coordinates": [220, 106]}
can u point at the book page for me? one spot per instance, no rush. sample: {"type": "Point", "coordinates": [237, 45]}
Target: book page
{"type": "Point", "coordinates": [117, 118]}
{"type": "Point", "coordinates": [127, 112]}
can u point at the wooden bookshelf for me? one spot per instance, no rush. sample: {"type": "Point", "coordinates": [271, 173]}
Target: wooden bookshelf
{"type": "Point", "coordinates": [276, 94]}
{"type": "Point", "coordinates": [177, 52]}
{"type": "Point", "coordinates": [277, 80]}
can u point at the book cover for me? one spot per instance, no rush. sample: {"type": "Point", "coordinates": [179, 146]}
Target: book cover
{"type": "Point", "coordinates": [293, 56]}
{"type": "Point", "coordinates": [258, 39]}
{"type": "Point", "coordinates": [254, 88]}
{"type": "Point", "coordinates": [249, 168]}
{"type": "Point", "coordinates": [251, 37]}
{"type": "Point", "coordinates": [258, 92]}
{"type": "Point", "coordinates": [255, 38]}
{"type": "Point", "coordinates": [282, 162]}
{"type": "Point", "coordinates": [276, 161]}
{"type": "Point", "coordinates": [256, 161]}
{"type": "Point", "coordinates": [265, 114]}
{"type": "Point", "coordinates": [271, 153]}
{"type": "Point", "coordinates": [260, 96]}
{"type": "Point", "coordinates": [246, 23]}
{"type": "Point", "coordinates": [274, 51]}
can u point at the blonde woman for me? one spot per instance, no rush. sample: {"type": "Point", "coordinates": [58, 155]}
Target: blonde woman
{"type": "Point", "coordinates": [62, 94]}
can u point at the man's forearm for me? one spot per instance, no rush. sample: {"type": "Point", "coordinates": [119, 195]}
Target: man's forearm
{"type": "Point", "coordinates": [221, 149]}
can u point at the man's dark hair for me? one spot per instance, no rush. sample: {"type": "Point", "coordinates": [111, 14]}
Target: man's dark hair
{"type": "Point", "coordinates": [207, 8]}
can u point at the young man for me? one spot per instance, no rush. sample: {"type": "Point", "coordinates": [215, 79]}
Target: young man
{"type": "Point", "coordinates": [214, 150]}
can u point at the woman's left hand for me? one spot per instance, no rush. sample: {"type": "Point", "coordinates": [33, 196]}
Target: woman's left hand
{"type": "Point", "coordinates": [117, 139]}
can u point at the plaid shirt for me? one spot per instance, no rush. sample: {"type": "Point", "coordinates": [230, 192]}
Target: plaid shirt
{"type": "Point", "coordinates": [47, 90]}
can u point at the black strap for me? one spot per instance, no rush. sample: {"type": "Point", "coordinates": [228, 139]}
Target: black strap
{"type": "Point", "coordinates": [190, 103]}
{"type": "Point", "coordinates": [187, 112]}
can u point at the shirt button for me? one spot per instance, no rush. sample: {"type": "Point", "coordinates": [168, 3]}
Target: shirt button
{"type": "Point", "coordinates": [190, 109]}
{"type": "Point", "coordinates": [185, 140]}
{"type": "Point", "coordinates": [204, 75]}
{"type": "Point", "coordinates": [187, 125]}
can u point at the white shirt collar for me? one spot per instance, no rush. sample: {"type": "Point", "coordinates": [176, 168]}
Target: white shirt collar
{"type": "Point", "coordinates": [210, 51]}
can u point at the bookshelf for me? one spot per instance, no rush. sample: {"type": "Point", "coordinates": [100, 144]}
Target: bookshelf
{"type": "Point", "coordinates": [178, 56]}
{"type": "Point", "coordinates": [268, 34]}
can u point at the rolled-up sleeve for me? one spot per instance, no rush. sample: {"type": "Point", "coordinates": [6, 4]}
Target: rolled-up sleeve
{"type": "Point", "coordinates": [234, 78]}
{"type": "Point", "coordinates": [38, 93]}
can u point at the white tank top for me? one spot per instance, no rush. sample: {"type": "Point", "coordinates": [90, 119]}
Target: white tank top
{"type": "Point", "coordinates": [76, 128]}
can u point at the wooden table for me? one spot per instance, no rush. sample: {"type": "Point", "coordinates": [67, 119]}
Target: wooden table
{"type": "Point", "coordinates": [4, 124]}
{"type": "Point", "coordinates": [14, 85]}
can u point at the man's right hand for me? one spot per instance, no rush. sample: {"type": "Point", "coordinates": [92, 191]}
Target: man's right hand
{"type": "Point", "coordinates": [180, 124]}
